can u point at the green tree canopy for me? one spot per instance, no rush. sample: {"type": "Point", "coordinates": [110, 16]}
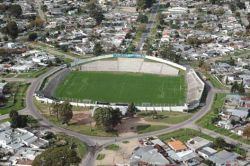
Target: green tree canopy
{"type": "Point", "coordinates": [107, 118]}
{"type": "Point", "coordinates": [12, 29]}
{"type": "Point", "coordinates": [219, 142]}
{"type": "Point", "coordinates": [98, 50]}
{"type": "Point", "coordinates": [142, 18]}
{"type": "Point", "coordinates": [131, 111]}
{"type": "Point", "coordinates": [32, 36]}
{"type": "Point", "coordinates": [15, 10]}
{"type": "Point", "coordinates": [57, 156]}
{"type": "Point", "coordinates": [18, 121]}
{"type": "Point", "coordinates": [144, 4]}
{"type": "Point", "coordinates": [62, 111]}
{"type": "Point", "coordinates": [66, 112]}
{"type": "Point", "coordinates": [167, 52]}
{"type": "Point", "coordinates": [95, 11]}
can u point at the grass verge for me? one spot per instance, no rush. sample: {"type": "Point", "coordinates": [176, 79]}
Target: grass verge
{"type": "Point", "coordinates": [165, 117]}
{"type": "Point", "coordinates": [34, 74]}
{"type": "Point", "coordinates": [113, 147]}
{"type": "Point", "coordinates": [148, 128]}
{"type": "Point", "coordinates": [100, 157]}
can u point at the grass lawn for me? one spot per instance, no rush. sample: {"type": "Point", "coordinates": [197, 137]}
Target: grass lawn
{"type": "Point", "coordinates": [100, 157]}
{"type": "Point", "coordinates": [113, 147]}
{"type": "Point", "coordinates": [123, 87]}
{"type": "Point", "coordinates": [15, 102]}
{"type": "Point", "coordinates": [34, 73]}
{"type": "Point", "coordinates": [206, 121]}
{"type": "Point", "coordinates": [166, 117]}
{"type": "Point", "coordinates": [148, 128]}
{"type": "Point", "coordinates": [214, 81]}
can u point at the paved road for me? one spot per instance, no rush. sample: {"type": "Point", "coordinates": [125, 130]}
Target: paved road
{"type": "Point", "coordinates": [151, 22]}
{"type": "Point", "coordinates": [91, 141]}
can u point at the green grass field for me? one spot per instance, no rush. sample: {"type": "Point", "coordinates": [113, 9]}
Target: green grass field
{"type": "Point", "coordinates": [123, 87]}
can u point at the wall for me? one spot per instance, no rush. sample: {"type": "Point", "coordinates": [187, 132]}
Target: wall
{"type": "Point", "coordinates": [160, 109]}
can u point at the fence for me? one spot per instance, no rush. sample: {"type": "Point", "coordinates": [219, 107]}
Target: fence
{"type": "Point", "coordinates": [141, 108]}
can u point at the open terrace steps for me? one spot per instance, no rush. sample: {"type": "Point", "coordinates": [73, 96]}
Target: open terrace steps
{"type": "Point", "coordinates": [131, 65]}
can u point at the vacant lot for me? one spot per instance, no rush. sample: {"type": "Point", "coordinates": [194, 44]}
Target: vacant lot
{"type": "Point", "coordinates": [123, 87]}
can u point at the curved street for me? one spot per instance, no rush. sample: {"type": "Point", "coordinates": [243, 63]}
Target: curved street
{"type": "Point", "coordinates": [94, 143]}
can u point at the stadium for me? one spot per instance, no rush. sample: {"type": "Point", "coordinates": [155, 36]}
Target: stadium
{"type": "Point", "coordinates": [119, 79]}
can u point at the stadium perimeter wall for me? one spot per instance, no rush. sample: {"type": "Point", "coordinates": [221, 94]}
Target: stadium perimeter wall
{"type": "Point", "coordinates": [160, 109]}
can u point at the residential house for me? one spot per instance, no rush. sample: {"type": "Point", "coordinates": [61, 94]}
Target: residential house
{"type": "Point", "coordinates": [147, 155]}
{"type": "Point", "coordinates": [197, 143]}
{"type": "Point", "coordinates": [177, 145]}
{"type": "Point", "coordinates": [224, 158]}
{"type": "Point", "coordinates": [206, 152]}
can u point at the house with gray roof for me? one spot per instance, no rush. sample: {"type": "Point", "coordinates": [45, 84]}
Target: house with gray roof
{"type": "Point", "coordinates": [224, 158]}
{"type": "Point", "coordinates": [149, 155]}
{"type": "Point", "coordinates": [198, 143]}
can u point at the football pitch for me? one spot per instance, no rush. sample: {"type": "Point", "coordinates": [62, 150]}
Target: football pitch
{"type": "Point", "coordinates": [120, 87]}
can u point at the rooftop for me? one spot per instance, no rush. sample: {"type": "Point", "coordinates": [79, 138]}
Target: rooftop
{"type": "Point", "coordinates": [177, 145]}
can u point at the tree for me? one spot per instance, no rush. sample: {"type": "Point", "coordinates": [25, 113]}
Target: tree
{"type": "Point", "coordinates": [233, 122]}
{"type": "Point", "coordinates": [246, 131]}
{"type": "Point", "coordinates": [38, 22]}
{"type": "Point", "coordinates": [116, 117]}
{"type": "Point", "coordinates": [234, 87]}
{"type": "Point", "coordinates": [131, 111]}
{"type": "Point", "coordinates": [193, 41]}
{"type": "Point", "coordinates": [7, 89]}
{"type": "Point", "coordinates": [3, 52]}
{"type": "Point", "coordinates": [65, 112]}
{"type": "Point", "coordinates": [15, 10]}
{"type": "Point", "coordinates": [241, 88]}
{"type": "Point", "coordinates": [107, 118]}
{"type": "Point", "coordinates": [32, 36]}
{"type": "Point", "coordinates": [3, 100]}
{"type": "Point", "coordinates": [144, 4]}
{"type": "Point", "coordinates": [12, 29]}
{"type": "Point", "coordinates": [142, 18]}
{"type": "Point", "coordinates": [95, 12]}
{"type": "Point", "coordinates": [98, 50]}
{"type": "Point", "coordinates": [219, 142]}
{"type": "Point", "coordinates": [55, 109]}
{"type": "Point", "coordinates": [57, 156]}
{"type": "Point", "coordinates": [167, 52]}
{"type": "Point", "coordinates": [5, 38]}
{"type": "Point", "coordinates": [62, 111]}
{"type": "Point", "coordinates": [231, 61]}
{"type": "Point", "coordinates": [18, 121]}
